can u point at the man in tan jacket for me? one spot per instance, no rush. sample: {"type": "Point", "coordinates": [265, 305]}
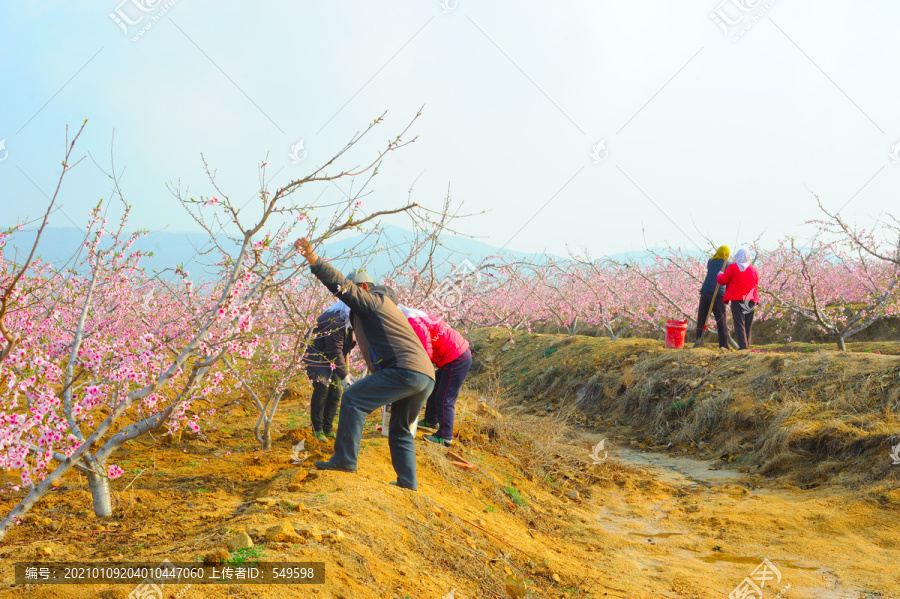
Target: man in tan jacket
{"type": "Point", "coordinates": [401, 372]}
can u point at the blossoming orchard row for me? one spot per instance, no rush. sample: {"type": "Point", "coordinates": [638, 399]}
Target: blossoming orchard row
{"type": "Point", "coordinates": [99, 352]}
{"type": "Point", "coordinates": [837, 286]}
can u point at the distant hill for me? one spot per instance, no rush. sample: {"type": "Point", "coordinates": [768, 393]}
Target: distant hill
{"type": "Point", "coordinates": [169, 249]}
{"type": "Point", "coordinates": [58, 245]}
{"type": "Point", "coordinates": [398, 244]}
{"type": "Point", "coordinates": [172, 249]}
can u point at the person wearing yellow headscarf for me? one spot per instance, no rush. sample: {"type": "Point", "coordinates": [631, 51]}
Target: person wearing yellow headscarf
{"type": "Point", "coordinates": [711, 297]}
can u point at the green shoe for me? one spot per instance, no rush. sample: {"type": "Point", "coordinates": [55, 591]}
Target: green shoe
{"type": "Point", "coordinates": [426, 424]}
{"type": "Point", "coordinates": [438, 440]}
{"type": "Point", "coordinates": [331, 435]}
{"type": "Point", "coordinates": [320, 436]}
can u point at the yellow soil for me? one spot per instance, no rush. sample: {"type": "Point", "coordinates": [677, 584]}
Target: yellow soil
{"type": "Point", "coordinates": [633, 526]}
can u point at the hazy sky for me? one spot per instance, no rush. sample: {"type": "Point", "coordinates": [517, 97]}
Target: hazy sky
{"type": "Point", "coordinates": [701, 132]}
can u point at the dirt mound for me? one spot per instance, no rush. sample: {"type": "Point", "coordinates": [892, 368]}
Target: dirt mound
{"type": "Point", "coordinates": [541, 515]}
{"type": "Point", "coordinates": [817, 417]}
{"type": "Point", "coordinates": [475, 531]}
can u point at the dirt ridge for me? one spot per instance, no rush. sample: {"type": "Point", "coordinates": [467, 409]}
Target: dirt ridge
{"type": "Point", "coordinates": [818, 417]}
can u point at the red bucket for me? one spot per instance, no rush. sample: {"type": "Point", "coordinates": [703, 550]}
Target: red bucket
{"type": "Point", "coordinates": [675, 332]}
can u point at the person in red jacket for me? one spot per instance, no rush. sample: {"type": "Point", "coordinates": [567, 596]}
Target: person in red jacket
{"type": "Point", "coordinates": [740, 280]}
{"type": "Point", "coordinates": [449, 352]}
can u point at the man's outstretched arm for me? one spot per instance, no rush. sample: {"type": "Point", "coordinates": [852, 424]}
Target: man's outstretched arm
{"type": "Point", "coordinates": [358, 299]}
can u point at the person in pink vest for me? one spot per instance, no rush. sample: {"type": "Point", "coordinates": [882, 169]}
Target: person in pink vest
{"type": "Point", "coordinates": [449, 352]}
{"type": "Point", "coordinates": [740, 280]}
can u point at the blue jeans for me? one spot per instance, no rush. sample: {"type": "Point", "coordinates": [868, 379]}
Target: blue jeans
{"type": "Point", "coordinates": [406, 391]}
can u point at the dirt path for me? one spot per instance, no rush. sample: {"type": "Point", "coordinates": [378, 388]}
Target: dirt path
{"type": "Point", "coordinates": [713, 527]}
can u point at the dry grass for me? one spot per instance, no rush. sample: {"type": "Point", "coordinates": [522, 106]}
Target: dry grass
{"type": "Point", "coordinates": [806, 415]}
{"type": "Point", "coordinates": [546, 449]}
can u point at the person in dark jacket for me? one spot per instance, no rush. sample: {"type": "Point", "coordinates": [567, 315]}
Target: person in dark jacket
{"type": "Point", "coordinates": [741, 280]}
{"type": "Point", "coordinates": [709, 297]}
{"type": "Point", "coordinates": [326, 367]}
{"type": "Point", "coordinates": [400, 372]}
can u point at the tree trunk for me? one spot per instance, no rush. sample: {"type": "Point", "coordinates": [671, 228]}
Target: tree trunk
{"type": "Point", "coordinates": [840, 343]}
{"type": "Point", "coordinates": [265, 437]}
{"type": "Point", "coordinates": [99, 486]}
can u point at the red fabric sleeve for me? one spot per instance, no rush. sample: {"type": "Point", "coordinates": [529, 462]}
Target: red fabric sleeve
{"type": "Point", "coordinates": [424, 335]}
{"type": "Point", "coordinates": [724, 277]}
